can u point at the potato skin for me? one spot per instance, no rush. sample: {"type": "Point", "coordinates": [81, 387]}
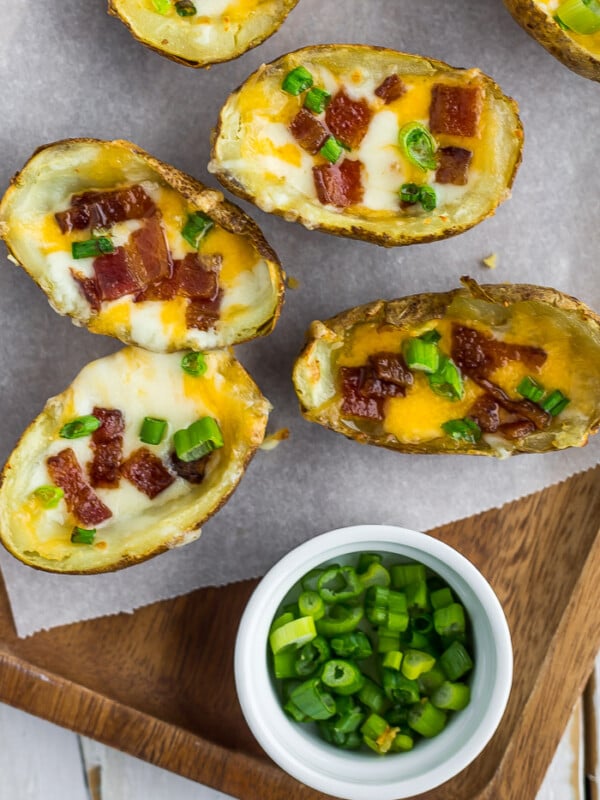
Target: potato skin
{"type": "Point", "coordinates": [407, 314]}
{"type": "Point", "coordinates": [551, 36]}
{"type": "Point", "coordinates": [286, 6]}
{"type": "Point", "coordinates": [355, 53]}
{"type": "Point", "coordinates": [212, 202]}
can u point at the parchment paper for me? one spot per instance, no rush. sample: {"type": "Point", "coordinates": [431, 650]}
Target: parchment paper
{"type": "Point", "coordinates": [67, 69]}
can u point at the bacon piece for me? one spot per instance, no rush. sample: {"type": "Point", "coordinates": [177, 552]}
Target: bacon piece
{"type": "Point", "coordinates": [348, 119]}
{"type": "Point", "coordinates": [478, 352]}
{"type": "Point", "coordinates": [391, 88]}
{"type": "Point", "coordinates": [89, 289]}
{"type": "Point", "coordinates": [103, 209]}
{"type": "Point", "coordinates": [354, 403]}
{"type": "Point", "coordinates": [82, 501]}
{"type": "Point", "coordinates": [203, 314]}
{"type": "Point", "coordinates": [486, 413]}
{"type": "Point", "coordinates": [194, 276]}
{"type": "Point", "coordinates": [308, 131]}
{"type": "Point", "coordinates": [147, 472]}
{"type": "Point", "coordinates": [453, 165]}
{"type": "Point", "coordinates": [191, 471]}
{"type": "Point", "coordinates": [107, 443]}
{"type": "Point", "coordinates": [521, 408]}
{"type": "Point", "coordinates": [339, 185]}
{"type": "Point", "coordinates": [115, 276]}
{"type": "Point", "coordinates": [391, 367]}
{"type": "Point", "coordinates": [517, 430]}
{"type": "Point", "coordinates": [455, 110]}
{"type": "Point", "coordinates": [375, 387]}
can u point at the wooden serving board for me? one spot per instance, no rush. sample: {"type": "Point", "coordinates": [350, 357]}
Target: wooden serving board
{"type": "Point", "coordinates": [159, 683]}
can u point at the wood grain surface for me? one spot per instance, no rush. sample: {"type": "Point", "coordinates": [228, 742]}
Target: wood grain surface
{"type": "Point", "coordinates": [159, 683]}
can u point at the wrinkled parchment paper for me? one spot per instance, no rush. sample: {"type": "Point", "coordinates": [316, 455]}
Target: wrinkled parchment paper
{"type": "Point", "coordinates": [68, 69]}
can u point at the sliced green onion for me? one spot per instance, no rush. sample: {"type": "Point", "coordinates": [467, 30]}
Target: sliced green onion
{"type": "Point", "coordinates": [387, 640]}
{"type": "Point", "coordinates": [331, 150]}
{"type": "Point", "coordinates": [295, 633]}
{"type": "Point", "coordinates": [92, 247]}
{"type": "Point", "coordinates": [82, 426]}
{"type": "Point", "coordinates": [152, 430]}
{"type": "Point", "coordinates": [281, 620]}
{"type": "Point", "coordinates": [426, 719]}
{"type": "Point", "coordinates": [392, 659]}
{"type": "Point", "coordinates": [185, 8]}
{"type": "Point", "coordinates": [417, 596]}
{"type": "Point", "coordinates": [450, 620]}
{"type": "Point", "coordinates": [415, 663]}
{"type": "Point", "coordinates": [342, 677]}
{"type": "Point", "coordinates": [441, 598]}
{"type": "Point", "coordinates": [402, 743]}
{"type": "Point", "coordinates": [422, 356]}
{"type": "Point", "coordinates": [310, 580]}
{"type": "Point", "coordinates": [312, 701]}
{"type": "Point", "coordinates": [352, 645]}
{"type": "Point", "coordinates": [530, 389]}
{"type": "Point", "coordinates": [284, 664]}
{"type": "Point", "coordinates": [560, 23]}
{"type": "Point", "coordinates": [199, 439]}
{"type": "Point", "coordinates": [310, 604]}
{"type": "Point", "coordinates": [399, 688]}
{"type": "Point", "coordinates": [346, 741]}
{"type": "Point", "coordinates": [418, 145]}
{"type": "Point", "coordinates": [317, 100]}
{"type": "Point", "coordinates": [372, 696]}
{"type": "Point", "coordinates": [374, 575]}
{"type": "Point", "coordinates": [365, 560]}
{"type": "Point", "coordinates": [297, 81]}
{"type": "Point", "coordinates": [462, 430]}
{"type": "Point", "coordinates": [49, 496]}
{"type": "Point", "coordinates": [455, 661]}
{"type": "Point", "coordinates": [420, 641]}
{"type": "Point", "coordinates": [397, 612]}
{"type": "Point", "coordinates": [349, 715]}
{"type": "Point", "coordinates": [428, 198]}
{"type": "Point", "coordinates": [403, 574]}
{"type": "Point", "coordinates": [83, 535]}
{"type": "Point", "coordinates": [295, 713]}
{"type": "Point", "coordinates": [581, 16]}
{"type": "Point", "coordinates": [555, 402]}
{"type": "Point", "coordinates": [410, 193]}
{"type": "Point", "coordinates": [162, 6]}
{"type": "Point", "coordinates": [339, 619]}
{"type": "Point", "coordinates": [432, 335]}
{"type": "Point", "coordinates": [430, 681]}
{"type": "Point", "coordinates": [310, 656]}
{"type": "Point", "coordinates": [422, 622]}
{"type": "Point", "coordinates": [451, 696]}
{"type": "Point", "coordinates": [338, 584]}
{"type": "Point", "coordinates": [194, 364]}
{"type": "Point", "coordinates": [447, 380]}
{"type": "Point", "coordinates": [196, 227]}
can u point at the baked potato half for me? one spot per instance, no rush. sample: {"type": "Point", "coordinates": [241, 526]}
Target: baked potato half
{"type": "Point", "coordinates": [482, 370]}
{"type": "Point", "coordinates": [130, 460]}
{"type": "Point", "coordinates": [198, 33]}
{"type": "Point", "coordinates": [369, 143]}
{"type": "Point", "coordinates": [569, 29]}
{"type": "Point", "coordinates": [133, 248]}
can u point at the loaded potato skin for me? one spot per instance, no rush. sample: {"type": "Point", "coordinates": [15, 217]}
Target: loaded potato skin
{"type": "Point", "coordinates": [130, 460]}
{"type": "Point", "coordinates": [369, 143]}
{"type": "Point", "coordinates": [133, 248]}
{"type": "Point", "coordinates": [578, 51]}
{"type": "Point", "coordinates": [493, 370]}
{"type": "Point", "coordinates": [198, 33]}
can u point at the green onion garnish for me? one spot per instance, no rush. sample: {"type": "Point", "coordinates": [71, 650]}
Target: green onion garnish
{"type": "Point", "coordinates": [352, 645]}
{"type": "Point", "coordinates": [432, 335]}
{"type": "Point", "coordinates": [441, 598]}
{"type": "Point", "coordinates": [403, 574]}
{"type": "Point", "coordinates": [162, 6]}
{"type": "Point", "coordinates": [284, 664]}
{"type": "Point", "coordinates": [447, 380]}
{"type": "Point", "coordinates": [49, 496]}
{"type": "Point", "coordinates": [194, 364]}
{"type": "Point", "coordinates": [530, 389]}
{"type": "Point", "coordinates": [338, 584]}
{"type": "Point", "coordinates": [560, 23]}
{"type": "Point", "coordinates": [309, 657]}
{"type": "Point", "coordinates": [426, 719]}
{"type": "Point", "coordinates": [196, 227]}
{"type": "Point", "coordinates": [415, 663]}
{"type": "Point", "coordinates": [83, 535]}
{"type": "Point", "coordinates": [153, 430]}
{"type": "Point", "coordinates": [428, 198]}
{"type": "Point", "coordinates": [342, 677]}
{"type": "Point", "coordinates": [418, 145]}
{"type": "Point", "coordinates": [409, 193]}
{"type": "Point", "coordinates": [312, 700]}
{"type": "Point", "coordinates": [185, 8]}
{"type": "Point", "coordinates": [392, 659]}
{"type": "Point", "coordinates": [450, 621]}
{"type": "Point", "coordinates": [297, 632]}
{"type": "Point", "coordinates": [462, 430]}
{"type": "Point", "coordinates": [339, 619]}
{"type": "Point", "coordinates": [316, 100]}
{"type": "Point", "coordinates": [310, 604]}
{"type": "Point", "coordinates": [92, 247]}
{"type": "Point", "coordinates": [451, 696]}
{"type": "Point", "coordinates": [82, 426]}
{"type": "Point", "coordinates": [197, 440]}
{"type": "Point", "coordinates": [331, 150]}
{"type": "Point", "coordinates": [581, 16]}
{"type": "Point", "coordinates": [456, 661]}
{"type": "Point", "coordinates": [297, 81]}
{"type": "Point", "coordinates": [555, 402]}
{"type": "Point", "coordinates": [421, 355]}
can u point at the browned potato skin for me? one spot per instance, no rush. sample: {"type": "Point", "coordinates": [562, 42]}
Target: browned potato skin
{"type": "Point", "coordinates": [410, 312]}
{"type": "Point", "coordinates": [210, 201]}
{"type": "Point", "coordinates": [206, 63]}
{"type": "Point", "coordinates": [551, 36]}
{"type": "Point", "coordinates": [381, 238]}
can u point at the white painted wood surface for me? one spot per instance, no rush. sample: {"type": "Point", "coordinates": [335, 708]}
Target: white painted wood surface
{"type": "Point", "coordinates": [40, 761]}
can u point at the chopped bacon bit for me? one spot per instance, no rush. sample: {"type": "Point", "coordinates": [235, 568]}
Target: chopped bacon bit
{"type": "Point", "coordinates": [89, 289]}
{"type": "Point", "coordinates": [453, 165]}
{"type": "Point", "coordinates": [478, 352]}
{"type": "Point", "coordinates": [391, 367]}
{"type": "Point", "coordinates": [82, 501]}
{"type": "Point", "coordinates": [339, 185]}
{"type": "Point", "coordinates": [203, 314]}
{"type": "Point", "coordinates": [486, 413]}
{"type": "Point", "coordinates": [191, 471]}
{"type": "Point", "coordinates": [107, 443]}
{"type": "Point", "coordinates": [517, 430]}
{"type": "Point", "coordinates": [354, 403]}
{"type": "Point", "coordinates": [114, 275]}
{"type": "Point", "coordinates": [194, 276]}
{"type": "Point", "coordinates": [348, 119]}
{"type": "Point", "coordinates": [521, 408]}
{"type": "Point", "coordinates": [390, 89]}
{"type": "Point", "coordinates": [455, 110]}
{"type": "Point", "coordinates": [375, 387]}
{"type": "Point", "coordinates": [308, 131]}
{"type": "Point", "coordinates": [147, 472]}
{"type": "Point", "coordinates": [103, 209]}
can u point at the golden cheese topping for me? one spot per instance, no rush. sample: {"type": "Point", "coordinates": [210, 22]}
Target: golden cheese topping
{"type": "Point", "coordinates": [209, 11]}
{"type": "Point", "coordinates": [590, 41]}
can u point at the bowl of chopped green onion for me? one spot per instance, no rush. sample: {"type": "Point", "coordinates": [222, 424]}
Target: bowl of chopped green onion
{"type": "Point", "coordinates": [373, 661]}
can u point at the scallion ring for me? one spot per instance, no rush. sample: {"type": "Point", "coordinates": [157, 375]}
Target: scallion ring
{"type": "Point", "coordinates": [418, 145]}
{"type": "Point", "coordinates": [82, 426]}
